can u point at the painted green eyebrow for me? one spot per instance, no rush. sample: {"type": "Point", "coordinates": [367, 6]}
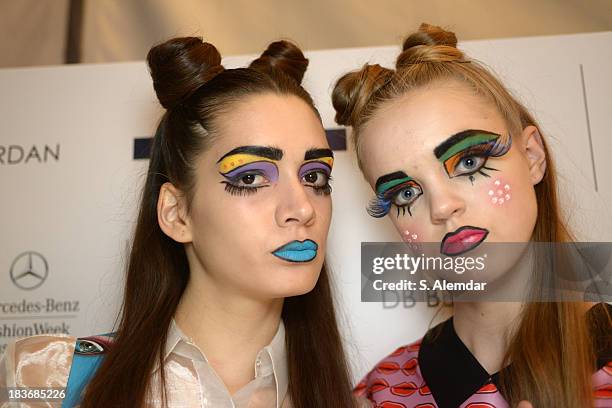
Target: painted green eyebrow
{"type": "Point", "coordinates": [462, 141]}
{"type": "Point", "coordinates": [391, 180]}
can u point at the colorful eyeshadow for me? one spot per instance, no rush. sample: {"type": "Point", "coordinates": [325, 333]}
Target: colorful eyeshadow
{"type": "Point", "coordinates": [233, 162]}
{"type": "Point", "coordinates": [476, 143]}
{"type": "Point", "coordinates": [387, 187]}
{"type": "Point", "coordinates": [318, 164]}
{"type": "Point", "coordinates": [265, 168]}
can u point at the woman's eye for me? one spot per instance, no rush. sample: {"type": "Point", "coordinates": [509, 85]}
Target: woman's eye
{"type": "Point", "coordinates": [316, 178]}
{"type": "Point", "coordinates": [469, 165]}
{"type": "Point", "coordinates": [252, 180]}
{"type": "Point", "coordinates": [406, 196]}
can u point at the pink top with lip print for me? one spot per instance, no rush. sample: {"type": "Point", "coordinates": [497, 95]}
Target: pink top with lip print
{"type": "Point", "coordinates": [442, 373]}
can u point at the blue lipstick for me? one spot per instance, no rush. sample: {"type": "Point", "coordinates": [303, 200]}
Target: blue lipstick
{"type": "Point", "coordinates": [296, 251]}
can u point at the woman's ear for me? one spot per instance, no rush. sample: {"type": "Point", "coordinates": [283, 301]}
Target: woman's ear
{"type": "Point", "coordinates": [533, 148]}
{"type": "Point", "coordinates": [171, 214]}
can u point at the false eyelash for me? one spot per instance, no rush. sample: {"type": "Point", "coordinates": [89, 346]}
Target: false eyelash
{"type": "Point", "coordinates": [323, 190]}
{"type": "Point", "coordinates": [378, 207]}
{"type": "Point", "coordinates": [240, 190]}
{"type": "Point", "coordinates": [481, 150]}
{"type": "Point", "coordinates": [498, 148]}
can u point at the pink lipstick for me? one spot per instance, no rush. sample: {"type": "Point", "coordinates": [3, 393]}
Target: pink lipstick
{"type": "Point", "coordinates": [462, 240]}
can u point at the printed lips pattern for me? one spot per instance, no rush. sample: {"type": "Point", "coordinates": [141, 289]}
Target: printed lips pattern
{"type": "Point", "coordinates": [602, 380]}
{"type": "Point", "coordinates": [396, 382]}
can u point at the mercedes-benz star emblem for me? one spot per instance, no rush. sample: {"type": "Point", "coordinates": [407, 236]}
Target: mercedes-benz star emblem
{"type": "Point", "coordinates": [29, 270]}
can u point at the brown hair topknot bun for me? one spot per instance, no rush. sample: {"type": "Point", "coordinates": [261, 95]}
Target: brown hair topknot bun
{"type": "Point", "coordinates": [180, 66]}
{"type": "Point", "coordinates": [429, 44]}
{"type": "Point", "coordinates": [353, 91]}
{"type": "Point", "coordinates": [282, 56]}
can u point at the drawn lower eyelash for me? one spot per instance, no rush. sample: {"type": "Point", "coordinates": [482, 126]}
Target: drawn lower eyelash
{"type": "Point", "coordinates": [323, 190]}
{"type": "Point", "coordinates": [480, 171]}
{"type": "Point", "coordinates": [404, 209]}
{"type": "Point", "coordinates": [240, 190]}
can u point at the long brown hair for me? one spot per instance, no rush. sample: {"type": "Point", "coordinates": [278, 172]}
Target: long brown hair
{"type": "Point", "coordinates": [551, 352]}
{"type": "Point", "coordinates": [196, 90]}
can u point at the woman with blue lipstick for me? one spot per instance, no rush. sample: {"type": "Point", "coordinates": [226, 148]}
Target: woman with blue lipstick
{"type": "Point", "coordinates": [296, 251]}
{"type": "Point", "coordinates": [455, 159]}
{"type": "Point", "coordinates": [227, 299]}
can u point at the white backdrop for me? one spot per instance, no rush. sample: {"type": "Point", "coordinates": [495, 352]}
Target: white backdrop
{"type": "Point", "coordinates": [70, 185]}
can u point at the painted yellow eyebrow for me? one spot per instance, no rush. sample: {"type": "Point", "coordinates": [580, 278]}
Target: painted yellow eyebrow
{"type": "Point", "coordinates": [234, 161]}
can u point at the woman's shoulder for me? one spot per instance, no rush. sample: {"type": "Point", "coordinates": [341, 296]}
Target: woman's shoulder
{"type": "Point", "coordinates": [403, 361]}
{"type": "Point", "coordinates": [37, 361]}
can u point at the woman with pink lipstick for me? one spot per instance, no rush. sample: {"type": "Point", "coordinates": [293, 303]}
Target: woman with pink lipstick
{"type": "Point", "coordinates": [227, 299]}
{"type": "Point", "coordinates": [454, 158]}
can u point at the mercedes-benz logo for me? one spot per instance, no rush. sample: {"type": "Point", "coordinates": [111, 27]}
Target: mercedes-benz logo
{"type": "Point", "coordinates": [29, 270]}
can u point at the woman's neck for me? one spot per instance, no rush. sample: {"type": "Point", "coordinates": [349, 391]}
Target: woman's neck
{"type": "Point", "coordinates": [229, 328]}
{"type": "Point", "coordinates": [486, 329]}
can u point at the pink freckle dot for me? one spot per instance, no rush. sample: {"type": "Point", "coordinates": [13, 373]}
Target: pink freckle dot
{"type": "Point", "coordinates": [499, 192]}
{"type": "Point", "coordinates": [490, 192]}
{"type": "Point", "coordinates": [501, 201]}
{"type": "Point", "coordinates": [507, 187]}
{"type": "Point", "coordinates": [494, 200]}
{"type": "Point", "coordinates": [507, 197]}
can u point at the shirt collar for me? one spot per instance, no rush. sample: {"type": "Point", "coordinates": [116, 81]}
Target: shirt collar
{"type": "Point", "coordinates": [278, 353]}
{"type": "Point", "coordinates": [450, 370]}
{"type": "Point", "coordinates": [175, 335]}
{"type": "Point", "coordinates": [453, 374]}
{"type": "Point", "coordinates": [275, 352]}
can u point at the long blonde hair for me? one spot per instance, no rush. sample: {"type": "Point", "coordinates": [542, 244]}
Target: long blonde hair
{"type": "Point", "coordinates": [551, 351]}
